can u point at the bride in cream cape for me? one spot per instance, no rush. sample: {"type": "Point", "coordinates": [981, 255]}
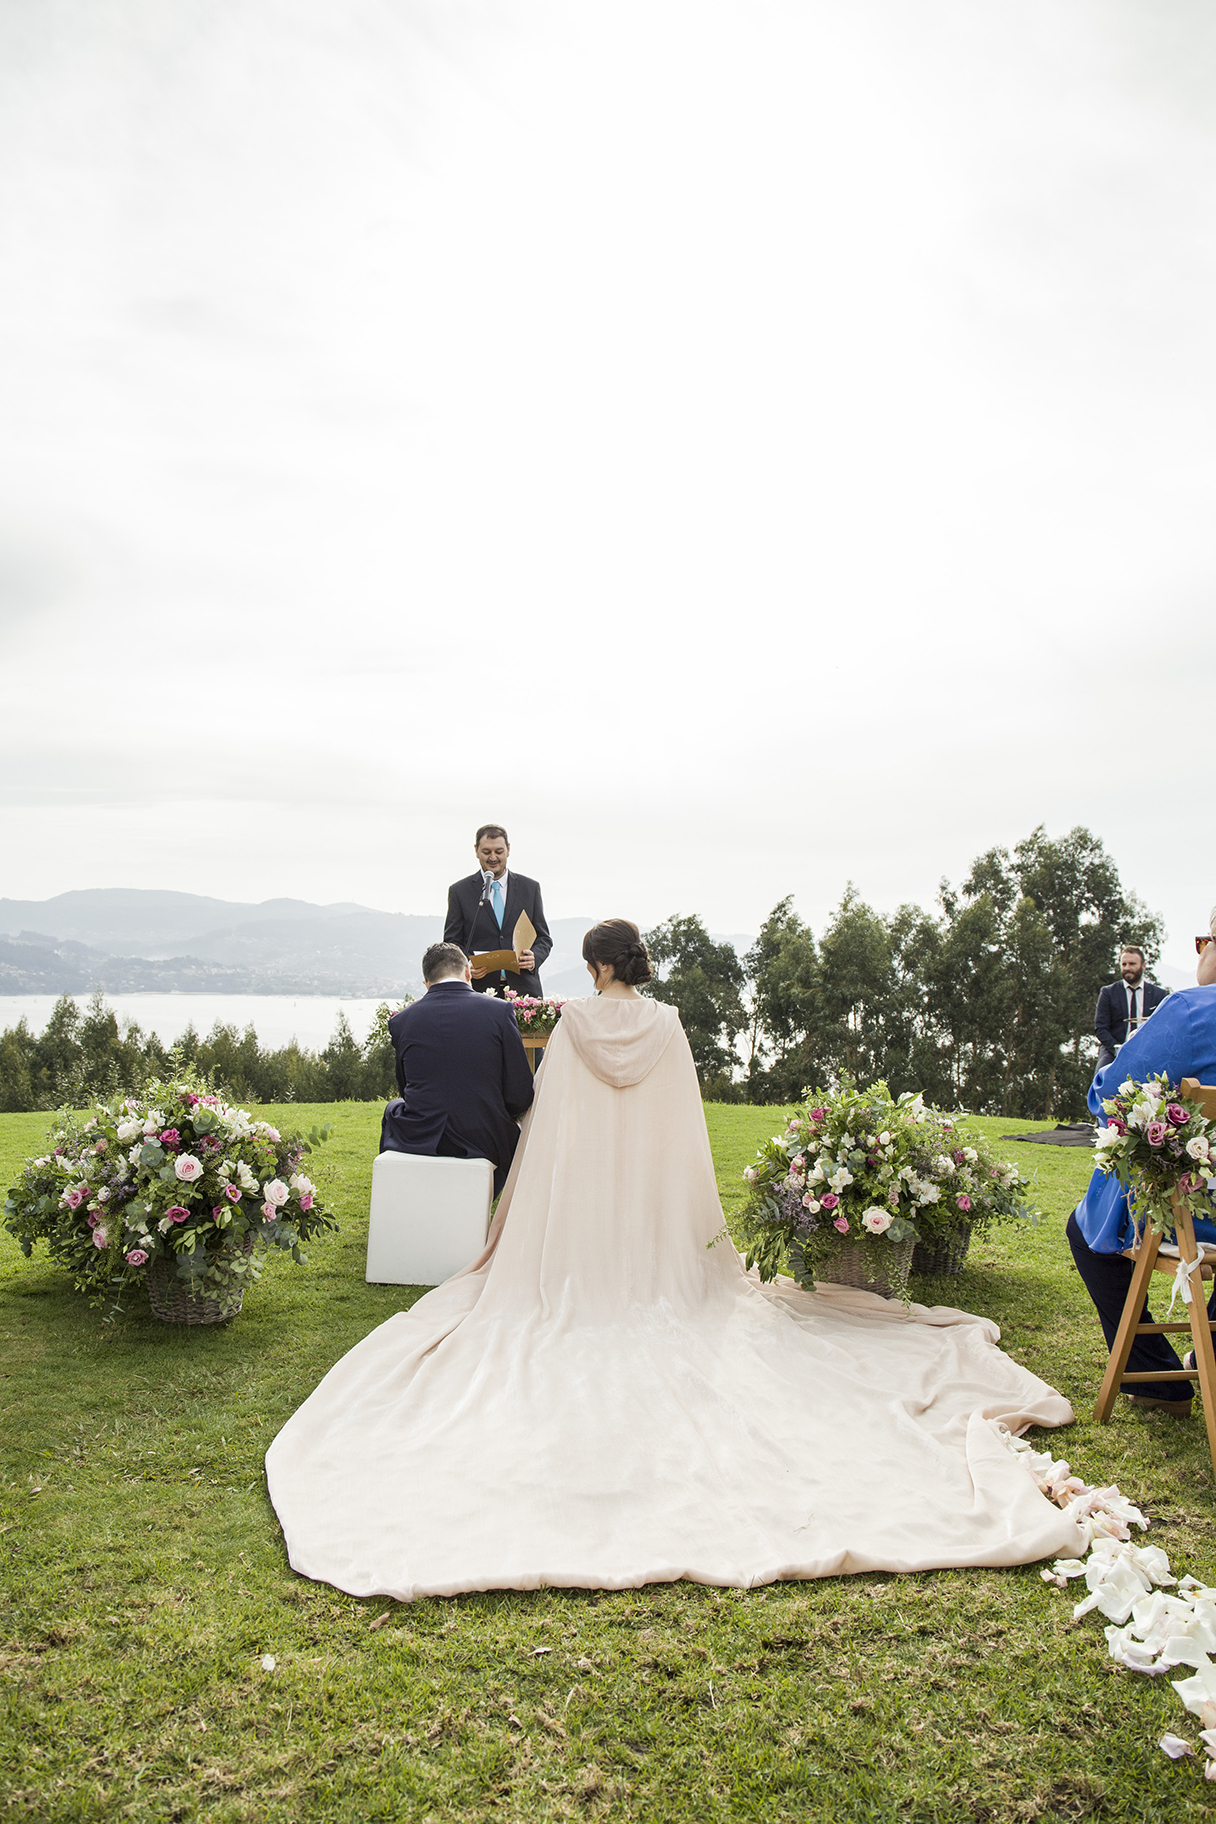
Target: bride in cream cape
{"type": "Point", "coordinates": [603, 1399]}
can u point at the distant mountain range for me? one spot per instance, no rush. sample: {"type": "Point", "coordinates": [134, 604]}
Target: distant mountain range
{"type": "Point", "coordinates": [128, 940]}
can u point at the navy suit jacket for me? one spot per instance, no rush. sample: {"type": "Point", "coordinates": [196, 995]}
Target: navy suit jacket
{"type": "Point", "coordinates": [463, 1075]}
{"type": "Point", "coordinates": [1110, 1016]}
{"type": "Point", "coordinates": [473, 929]}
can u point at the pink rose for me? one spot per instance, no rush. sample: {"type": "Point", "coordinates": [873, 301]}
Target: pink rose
{"type": "Point", "coordinates": [137, 1257]}
{"type": "Point", "coordinates": [178, 1213]}
{"type": "Point", "coordinates": [187, 1167]}
{"type": "Point", "coordinates": [842, 1223]}
{"type": "Point", "coordinates": [306, 1201]}
{"type": "Point", "coordinates": [817, 1114]}
{"type": "Point", "coordinates": [1120, 1127]}
{"type": "Point", "coordinates": [101, 1146]}
{"type": "Point", "coordinates": [1155, 1132]}
{"type": "Point", "coordinates": [100, 1238]}
{"type": "Point", "coordinates": [218, 1211]}
{"type": "Point", "coordinates": [93, 1220]}
{"type": "Point", "coordinates": [170, 1137]}
{"type": "Point", "coordinates": [1190, 1181]}
{"type": "Point", "coordinates": [269, 1211]}
{"type": "Point", "coordinates": [189, 1098]}
{"type": "Point", "coordinates": [876, 1221]}
{"type": "Point", "coordinates": [830, 1201]}
{"type": "Point", "coordinates": [232, 1192]}
{"type": "Point", "coordinates": [1176, 1113]}
{"type": "Point", "coordinates": [807, 1201]}
{"type": "Point", "coordinates": [963, 1202]}
{"type": "Point", "coordinates": [74, 1199]}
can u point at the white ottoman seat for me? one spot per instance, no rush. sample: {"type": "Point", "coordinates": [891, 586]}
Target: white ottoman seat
{"type": "Point", "coordinates": [429, 1217]}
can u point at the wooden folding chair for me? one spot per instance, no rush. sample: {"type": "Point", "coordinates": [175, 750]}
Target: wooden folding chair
{"type": "Point", "coordinates": [1153, 1255]}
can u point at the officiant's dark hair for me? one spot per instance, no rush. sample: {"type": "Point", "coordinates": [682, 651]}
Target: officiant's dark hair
{"type": "Point", "coordinates": [618, 942]}
{"type": "Point", "coordinates": [442, 960]}
{"type": "Point", "coordinates": [491, 829]}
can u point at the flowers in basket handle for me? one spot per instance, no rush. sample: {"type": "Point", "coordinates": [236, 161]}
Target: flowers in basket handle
{"type": "Point", "coordinates": [173, 1175]}
{"type": "Point", "coordinates": [862, 1168]}
{"type": "Point", "coordinates": [1161, 1146]}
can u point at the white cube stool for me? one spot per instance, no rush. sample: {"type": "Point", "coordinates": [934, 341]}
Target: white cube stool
{"type": "Point", "coordinates": [429, 1217]}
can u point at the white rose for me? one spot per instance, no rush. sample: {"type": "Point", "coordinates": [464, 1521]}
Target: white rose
{"type": "Point", "coordinates": [876, 1221]}
{"type": "Point", "coordinates": [1198, 1147]}
{"type": "Point", "coordinates": [264, 1127]}
{"type": "Point", "coordinates": [943, 1166]}
{"type": "Point", "coordinates": [188, 1168]}
{"type": "Point", "coordinates": [1108, 1137]}
{"type": "Point", "coordinates": [970, 1155]}
{"type": "Point", "coordinates": [930, 1194]}
{"type": "Point", "coordinates": [127, 1130]}
{"type": "Point", "coordinates": [884, 1139]}
{"type": "Point", "coordinates": [275, 1191]}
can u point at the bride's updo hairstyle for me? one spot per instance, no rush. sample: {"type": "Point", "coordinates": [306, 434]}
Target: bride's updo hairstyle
{"type": "Point", "coordinates": [619, 943]}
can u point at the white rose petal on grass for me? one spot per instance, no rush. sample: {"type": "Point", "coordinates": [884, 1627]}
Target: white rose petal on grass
{"type": "Point", "coordinates": [1174, 1746]}
{"type": "Point", "coordinates": [268, 1662]}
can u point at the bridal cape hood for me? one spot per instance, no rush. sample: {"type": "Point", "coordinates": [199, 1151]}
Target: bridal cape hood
{"type": "Point", "coordinates": [604, 1400]}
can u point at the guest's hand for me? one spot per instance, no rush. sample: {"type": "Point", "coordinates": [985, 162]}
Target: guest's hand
{"type": "Point", "coordinates": [477, 974]}
{"type": "Point", "coordinates": [527, 961]}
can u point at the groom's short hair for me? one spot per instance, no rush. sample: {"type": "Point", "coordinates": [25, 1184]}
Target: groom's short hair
{"type": "Point", "coordinates": [442, 960]}
{"type": "Point", "coordinates": [491, 829]}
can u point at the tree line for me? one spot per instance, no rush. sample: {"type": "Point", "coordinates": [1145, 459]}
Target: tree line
{"type": "Point", "coordinates": [986, 1004]}
{"type": "Point", "coordinates": [82, 1057]}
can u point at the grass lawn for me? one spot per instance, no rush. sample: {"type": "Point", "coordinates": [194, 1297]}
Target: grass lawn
{"type": "Point", "coordinates": [146, 1579]}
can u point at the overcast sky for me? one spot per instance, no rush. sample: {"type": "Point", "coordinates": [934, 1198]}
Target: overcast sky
{"type": "Point", "coordinates": [740, 446]}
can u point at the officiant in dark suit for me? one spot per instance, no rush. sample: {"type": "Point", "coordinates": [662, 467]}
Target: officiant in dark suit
{"type": "Point", "coordinates": [462, 1071]}
{"type": "Point", "coordinates": [1123, 1006]}
{"type": "Point", "coordinates": [481, 915]}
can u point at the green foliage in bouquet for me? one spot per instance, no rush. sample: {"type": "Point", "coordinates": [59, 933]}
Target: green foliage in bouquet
{"type": "Point", "coordinates": [1161, 1145]}
{"type": "Point", "coordinates": [857, 1167]}
{"type": "Point", "coordinates": [172, 1174]}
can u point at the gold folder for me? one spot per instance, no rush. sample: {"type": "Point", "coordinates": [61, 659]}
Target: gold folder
{"type": "Point", "coordinates": [522, 937]}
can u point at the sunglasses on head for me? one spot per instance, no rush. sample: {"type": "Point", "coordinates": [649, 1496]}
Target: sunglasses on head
{"type": "Point", "coordinates": [1201, 941]}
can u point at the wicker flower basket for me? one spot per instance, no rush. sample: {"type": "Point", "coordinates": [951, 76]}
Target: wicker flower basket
{"type": "Point", "coordinates": [175, 1302]}
{"type": "Point", "coordinates": [945, 1253]}
{"type": "Point", "coordinates": [855, 1265]}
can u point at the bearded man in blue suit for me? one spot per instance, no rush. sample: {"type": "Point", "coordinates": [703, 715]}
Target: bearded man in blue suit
{"type": "Point", "coordinates": [1180, 1040]}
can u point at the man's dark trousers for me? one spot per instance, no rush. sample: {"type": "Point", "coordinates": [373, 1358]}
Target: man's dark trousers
{"type": "Point", "coordinates": [1107, 1278]}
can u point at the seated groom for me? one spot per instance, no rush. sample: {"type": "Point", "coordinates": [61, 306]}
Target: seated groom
{"type": "Point", "coordinates": [1180, 1039]}
{"type": "Point", "coordinates": [462, 1071]}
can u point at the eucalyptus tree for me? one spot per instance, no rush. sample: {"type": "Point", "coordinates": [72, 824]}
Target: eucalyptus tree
{"type": "Point", "coordinates": [703, 980]}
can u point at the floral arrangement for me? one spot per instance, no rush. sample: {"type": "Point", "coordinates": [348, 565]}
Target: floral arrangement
{"type": "Point", "coordinates": [1161, 1146]}
{"type": "Point", "coordinates": [172, 1175]}
{"type": "Point", "coordinates": [536, 1017]}
{"type": "Point", "coordinates": [859, 1168]}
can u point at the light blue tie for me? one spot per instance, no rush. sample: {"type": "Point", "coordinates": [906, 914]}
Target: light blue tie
{"type": "Point", "coordinates": [496, 900]}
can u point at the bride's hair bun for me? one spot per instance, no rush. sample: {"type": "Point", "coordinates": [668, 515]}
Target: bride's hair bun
{"type": "Point", "coordinates": [619, 943]}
